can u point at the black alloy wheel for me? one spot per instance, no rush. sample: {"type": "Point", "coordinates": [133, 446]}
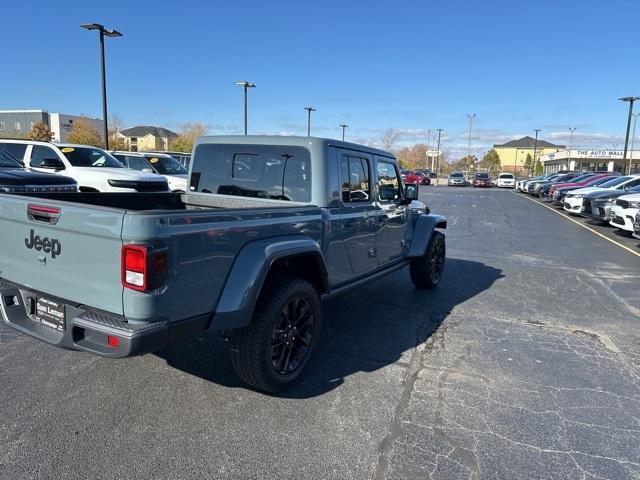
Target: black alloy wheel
{"type": "Point", "coordinates": [292, 335]}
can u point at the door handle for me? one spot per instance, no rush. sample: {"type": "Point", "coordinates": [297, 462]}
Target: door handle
{"type": "Point", "coordinates": [349, 224]}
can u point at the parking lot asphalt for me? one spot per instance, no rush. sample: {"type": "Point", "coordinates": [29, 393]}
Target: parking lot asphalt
{"type": "Point", "coordinates": [524, 363]}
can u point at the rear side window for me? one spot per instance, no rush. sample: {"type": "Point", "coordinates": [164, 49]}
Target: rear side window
{"type": "Point", "coordinates": [17, 150]}
{"type": "Point", "coordinates": [133, 162]}
{"type": "Point", "coordinates": [259, 171]}
{"type": "Point", "coordinates": [354, 178]}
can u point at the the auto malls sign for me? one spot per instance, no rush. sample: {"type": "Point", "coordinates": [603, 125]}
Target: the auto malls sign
{"type": "Point", "coordinates": [597, 153]}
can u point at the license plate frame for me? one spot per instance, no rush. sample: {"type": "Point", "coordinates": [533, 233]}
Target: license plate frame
{"type": "Point", "coordinates": [51, 313]}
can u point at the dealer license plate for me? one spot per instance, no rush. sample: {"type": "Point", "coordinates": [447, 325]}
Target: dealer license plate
{"type": "Point", "coordinates": [50, 313]}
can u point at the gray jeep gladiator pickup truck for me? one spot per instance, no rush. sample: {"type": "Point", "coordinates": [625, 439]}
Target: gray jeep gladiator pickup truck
{"type": "Point", "coordinates": [270, 226]}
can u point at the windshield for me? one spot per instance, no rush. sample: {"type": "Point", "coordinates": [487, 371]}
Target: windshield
{"type": "Point", "coordinates": [579, 178]}
{"type": "Point", "coordinates": [596, 181]}
{"type": "Point", "coordinates": [456, 175]}
{"type": "Point", "coordinates": [167, 165]}
{"type": "Point", "coordinates": [506, 175]}
{"type": "Point", "coordinates": [482, 175]}
{"type": "Point", "coordinates": [612, 182]}
{"type": "Point", "coordinates": [90, 157]}
{"type": "Point", "coordinates": [7, 161]}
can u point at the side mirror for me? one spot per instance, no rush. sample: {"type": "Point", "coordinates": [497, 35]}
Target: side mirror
{"type": "Point", "coordinates": [52, 163]}
{"type": "Point", "coordinates": [411, 191]}
{"type": "Point", "coordinates": [387, 193]}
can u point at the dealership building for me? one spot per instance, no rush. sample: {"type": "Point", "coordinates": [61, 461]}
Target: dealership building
{"type": "Point", "coordinates": [18, 123]}
{"type": "Point", "coordinates": [589, 160]}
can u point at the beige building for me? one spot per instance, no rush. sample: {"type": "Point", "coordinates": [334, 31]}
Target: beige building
{"type": "Point", "coordinates": [513, 154]}
{"type": "Point", "coordinates": [147, 138]}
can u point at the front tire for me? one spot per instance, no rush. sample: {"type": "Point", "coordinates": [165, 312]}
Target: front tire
{"type": "Point", "coordinates": [426, 271]}
{"type": "Point", "coordinates": [272, 352]}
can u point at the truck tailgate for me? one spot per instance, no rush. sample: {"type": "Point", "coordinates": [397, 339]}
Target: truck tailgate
{"type": "Point", "coordinates": [61, 248]}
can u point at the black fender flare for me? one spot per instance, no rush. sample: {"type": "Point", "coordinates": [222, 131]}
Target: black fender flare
{"type": "Point", "coordinates": [422, 231]}
{"type": "Point", "coordinates": [248, 273]}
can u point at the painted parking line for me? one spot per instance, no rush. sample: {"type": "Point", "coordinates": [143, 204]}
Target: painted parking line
{"type": "Point", "coordinates": [624, 247]}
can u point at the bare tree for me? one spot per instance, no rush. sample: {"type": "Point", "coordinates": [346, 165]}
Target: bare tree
{"type": "Point", "coordinates": [116, 142]}
{"type": "Point", "coordinates": [389, 138]}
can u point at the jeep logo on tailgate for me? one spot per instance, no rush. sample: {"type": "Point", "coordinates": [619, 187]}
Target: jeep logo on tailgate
{"type": "Point", "coordinates": [46, 244]}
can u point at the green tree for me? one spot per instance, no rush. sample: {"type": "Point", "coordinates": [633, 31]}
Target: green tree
{"type": "Point", "coordinates": [188, 134]}
{"type": "Point", "coordinates": [539, 167]}
{"type": "Point", "coordinates": [40, 131]}
{"type": "Point", "coordinates": [527, 163]}
{"type": "Point", "coordinates": [83, 132]}
{"type": "Point", "coordinates": [491, 161]}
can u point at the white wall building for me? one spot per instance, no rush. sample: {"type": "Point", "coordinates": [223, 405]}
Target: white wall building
{"type": "Point", "coordinates": [18, 123]}
{"type": "Point", "coordinates": [590, 160]}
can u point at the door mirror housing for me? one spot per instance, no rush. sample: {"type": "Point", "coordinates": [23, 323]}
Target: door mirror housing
{"type": "Point", "coordinates": [411, 191]}
{"type": "Point", "coordinates": [387, 193]}
{"type": "Point", "coordinates": [52, 163]}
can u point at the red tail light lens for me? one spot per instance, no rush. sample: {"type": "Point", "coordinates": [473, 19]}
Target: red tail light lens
{"type": "Point", "coordinates": [142, 268]}
{"type": "Point", "coordinates": [134, 267]}
{"type": "Point", "coordinates": [113, 341]}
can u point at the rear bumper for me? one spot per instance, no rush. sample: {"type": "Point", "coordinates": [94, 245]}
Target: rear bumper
{"type": "Point", "coordinates": [89, 330]}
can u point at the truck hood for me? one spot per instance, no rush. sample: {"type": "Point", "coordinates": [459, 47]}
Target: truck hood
{"type": "Point", "coordinates": [21, 176]}
{"type": "Point", "coordinates": [118, 174]}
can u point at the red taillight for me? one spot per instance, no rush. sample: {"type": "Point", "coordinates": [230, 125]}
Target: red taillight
{"type": "Point", "coordinates": [113, 341]}
{"type": "Point", "coordinates": [43, 209]}
{"type": "Point", "coordinates": [143, 269]}
{"type": "Point", "coordinates": [134, 267]}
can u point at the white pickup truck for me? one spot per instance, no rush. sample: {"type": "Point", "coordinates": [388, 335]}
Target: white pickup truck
{"type": "Point", "coordinates": [92, 168]}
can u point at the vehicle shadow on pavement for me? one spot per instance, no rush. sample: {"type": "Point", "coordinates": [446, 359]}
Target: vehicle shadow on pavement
{"type": "Point", "coordinates": [371, 328]}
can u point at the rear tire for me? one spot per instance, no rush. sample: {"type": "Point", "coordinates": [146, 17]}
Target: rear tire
{"type": "Point", "coordinates": [272, 352]}
{"type": "Point", "coordinates": [426, 271]}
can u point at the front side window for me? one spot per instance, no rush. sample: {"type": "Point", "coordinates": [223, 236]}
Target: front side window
{"type": "Point", "coordinates": [354, 178]}
{"type": "Point", "coordinates": [388, 183]}
{"type": "Point", "coordinates": [259, 171]}
{"type": "Point", "coordinates": [90, 157]}
{"type": "Point", "coordinates": [41, 153]}
{"type": "Point", "coordinates": [133, 162]}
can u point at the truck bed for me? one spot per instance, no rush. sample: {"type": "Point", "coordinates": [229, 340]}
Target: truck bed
{"type": "Point", "coordinates": [163, 201]}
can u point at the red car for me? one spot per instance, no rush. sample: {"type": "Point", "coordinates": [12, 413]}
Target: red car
{"type": "Point", "coordinates": [417, 177]}
{"type": "Point", "coordinates": [578, 181]}
{"type": "Point", "coordinates": [481, 180]}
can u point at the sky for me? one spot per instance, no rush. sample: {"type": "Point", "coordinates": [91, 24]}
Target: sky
{"type": "Point", "coordinates": [413, 66]}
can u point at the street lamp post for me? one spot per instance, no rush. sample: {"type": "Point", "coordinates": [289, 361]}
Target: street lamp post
{"type": "Point", "coordinates": [343, 126]}
{"type": "Point", "coordinates": [103, 33]}
{"type": "Point", "coordinates": [570, 146]}
{"type": "Point", "coordinates": [438, 155]}
{"type": "Point", "coordinates": [246, 85]}
{"type": "Point", "coordinates": [627, 170]}
{"type": "Point", "coordinates": [309, 110]}
{"type": "Point", "coordinates": [471, 117]}
{"type": "Point", "coordinates": [426, 162]}
{"type": "Point", "coordinates": [633, 138]}
{"type": "Point", "coordinates": [535, 148]}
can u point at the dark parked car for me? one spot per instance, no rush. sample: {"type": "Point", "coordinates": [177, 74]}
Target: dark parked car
{"type": "Point", "coordinates": [15, 178]}
{"type": "Point", "coordinates": [597, 205]}
{"type": "Point", "coordinates": [542, 188]}
{"type": "Point", "coordinates": [481, 180]}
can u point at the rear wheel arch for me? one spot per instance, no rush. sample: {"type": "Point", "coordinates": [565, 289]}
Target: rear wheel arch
{"type": "Point", "coordinates": [88, 189]}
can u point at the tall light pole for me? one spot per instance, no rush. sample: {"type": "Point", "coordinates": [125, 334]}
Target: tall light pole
{"type": "Point", "coordinates": [627, 170]}
{"type": "Point", "coordinates": [633, 138]}
{"type": "Point", "coordinates": [343, 126]}
{"type": "Point", "coordinates": [471, 117]}
{"type": "Point", "coordinates": [426, 162]}
{"type": "Point", "coordinates": [570, 146]}
{"type": "Point", "coordinates": [535, 148]}
{"type": "Point", "coordinates": [103, 33]}
{"type": "Point", "coordinates": [309, 110]}
{"type": "Point", "coordinates": [438, 153]}
{"type": "Point", "coordinates": [246, 85]}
